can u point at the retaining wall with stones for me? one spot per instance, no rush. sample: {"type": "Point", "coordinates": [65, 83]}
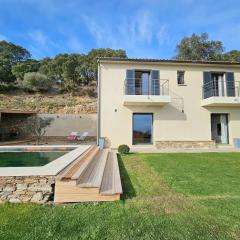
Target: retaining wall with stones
{"type": "Point", "coordinates": [185, 144]}
{"type": "Point", "coordinates": [36, 189]}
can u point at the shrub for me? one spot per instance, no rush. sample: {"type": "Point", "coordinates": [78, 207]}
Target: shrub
{"type": "Point", "coordinates": [7, 87]}
{"type": "Point", "coordinates": [35, 81]}
{"type": "Point", "coordinates": [123, 149]}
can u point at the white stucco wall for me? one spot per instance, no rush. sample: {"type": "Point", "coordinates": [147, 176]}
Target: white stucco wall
{"type": "Point", "coordinates": [169, 122]}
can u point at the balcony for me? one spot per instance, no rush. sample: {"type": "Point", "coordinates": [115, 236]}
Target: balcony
{"type": "Point", "coordinates": [221, 94]}
{"type": "Point", "coordinates": [146, 92]}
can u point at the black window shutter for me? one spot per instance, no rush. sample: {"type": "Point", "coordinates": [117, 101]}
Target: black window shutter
{"type": "Point", "coordinates": [230, 84]}
{"type": "Point", "coordinates": [155, 82]}
{"type": "Point", "coordinates": [130, 82]}
{"type": "Point", "coordinates": [207, 85]}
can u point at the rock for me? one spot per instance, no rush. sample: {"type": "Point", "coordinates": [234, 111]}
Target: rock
{"type": "Point", "coordinates": [4, 194]}
{"type": "Point", "coordinates": [25, 198]}
{"type": "Point", "coordinates": [37, 197]}
{"type": "Point", "coordinates": [43, 180]}
{"type": "Point", "coordinates": [9, 188]}
{"type": "Point", "coordinates": [19, 192]}
{"type": "Point", "coordinates": [14, 200]}
{"type": "Point", "coordinates": [40, 188]}
{"type": "Point", "coordinates": [46, 198]}
{"type": "Point", "coordinates": [22, 186]}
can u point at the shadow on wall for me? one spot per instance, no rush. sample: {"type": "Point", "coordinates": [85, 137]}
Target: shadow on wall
{"type": "Point", "coordinates": [170, 112]}
{"type": "Point", "coordinates": [167, 112]}
{"type": "Point", "coordinates": [128, 189]}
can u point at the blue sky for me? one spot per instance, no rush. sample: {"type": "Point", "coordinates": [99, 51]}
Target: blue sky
{"type": "Point", "coordinates": [144, 28]}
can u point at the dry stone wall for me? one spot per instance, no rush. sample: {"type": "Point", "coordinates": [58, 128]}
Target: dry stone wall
{"type": "Point", "coordinates": [36, 189]}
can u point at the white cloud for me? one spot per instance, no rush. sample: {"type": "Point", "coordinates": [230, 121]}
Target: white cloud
{"type": "Point", "coordinates": [74, 44]}
{"type": "Point", "coordinates": [41, 44]}
{"type": "Point", "coordinates": [39, 37]}
{"type": "Point", "coordinates": [132, 32]}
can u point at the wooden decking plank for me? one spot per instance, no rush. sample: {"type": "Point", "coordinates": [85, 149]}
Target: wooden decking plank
{"type": "Point", "coordinates": [93, 176]}
{"type": "Point", "coordinates": [107, 182]}
{"type": "Point", "coordinates": [84, 166]}
{"type": "Point", "coordinates": [67, 173]}
{"type": "Point", "coordinates": [111, 183]}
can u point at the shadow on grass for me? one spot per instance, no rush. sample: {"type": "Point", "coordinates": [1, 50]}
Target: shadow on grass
{"type": "Point", "coordinates": [128, 189]}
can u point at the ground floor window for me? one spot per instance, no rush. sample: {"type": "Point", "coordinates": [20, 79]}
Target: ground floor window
{"type": "Point", "coordinates": [219, 128]}
{"type": "Point", "coordinates": [142, 128]}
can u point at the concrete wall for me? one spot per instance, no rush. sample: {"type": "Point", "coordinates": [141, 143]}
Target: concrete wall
{"type": "Point", "coordinates": [63, 124]}
{"type": "Point", "coordinates": [169, 122]}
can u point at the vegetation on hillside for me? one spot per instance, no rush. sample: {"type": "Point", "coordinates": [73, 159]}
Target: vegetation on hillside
{"type": "Point", "coordinates": [199, 47]}
{"type": "Point", "coordinates": [63, 103]}
{"type": "Point", "coordinates": [69, 70]}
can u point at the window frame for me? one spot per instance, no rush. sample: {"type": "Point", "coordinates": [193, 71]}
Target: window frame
{"type": "Point", "coordinates": [183, 75]}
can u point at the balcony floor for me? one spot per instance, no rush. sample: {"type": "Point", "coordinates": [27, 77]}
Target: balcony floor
{"type": "Point", "coordinates": [145, 100]}
{"type": "Point", "coordinates": [221, 102]}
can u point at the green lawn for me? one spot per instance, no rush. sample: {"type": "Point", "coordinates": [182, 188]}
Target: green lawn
{"type": "Point", "coordinates": [166, 196]}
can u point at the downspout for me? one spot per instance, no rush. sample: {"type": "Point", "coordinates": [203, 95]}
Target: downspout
{"type": "Point", "coordinates": [98, 102]}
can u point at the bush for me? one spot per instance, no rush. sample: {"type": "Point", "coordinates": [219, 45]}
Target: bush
{"type": "Point", "coordinates": [123, 149]}
{"type": "Point", "coordinates": [4, 87]}
{"type": "Point", "coordinates": [35, 81]}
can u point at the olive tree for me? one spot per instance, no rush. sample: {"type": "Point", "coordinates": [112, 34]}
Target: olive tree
{"type": "Point", "coordinates": [36, 127]}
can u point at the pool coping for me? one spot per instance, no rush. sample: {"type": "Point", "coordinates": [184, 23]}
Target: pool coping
{"type": "Point", "coordinates": [51, 169]}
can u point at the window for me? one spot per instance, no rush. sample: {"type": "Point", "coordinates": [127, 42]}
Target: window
{"type": "Point", "coordinates": [142, 128]}
{"type": "Point", "coordinates": [180, 77]}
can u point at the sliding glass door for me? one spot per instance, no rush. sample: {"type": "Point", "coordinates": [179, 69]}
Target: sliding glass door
{"type": "Point", "coordinates": [142, 128]}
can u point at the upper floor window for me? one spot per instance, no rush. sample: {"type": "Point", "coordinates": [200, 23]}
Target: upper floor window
{"type": "Point", "coordinates": [180, 77]}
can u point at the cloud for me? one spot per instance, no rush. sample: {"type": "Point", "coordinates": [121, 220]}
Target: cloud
{"type": "Point", "coordinates": [41, 44]}
{"type": "Point", "coordinates": [74, 44]}
{"type": "Point", "coordinates": [39, 37]}
{"type": "Point", "coordinates": [131, 32]}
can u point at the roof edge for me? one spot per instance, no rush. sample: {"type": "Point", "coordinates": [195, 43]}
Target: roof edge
{"type": "Point", "coordinates": [142, 60]}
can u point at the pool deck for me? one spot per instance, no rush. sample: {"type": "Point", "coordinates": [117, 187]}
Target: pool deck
{"type": "Point", "coordinates": [35, 148]}
{"type": "Point", "coordinates": [50, 169]}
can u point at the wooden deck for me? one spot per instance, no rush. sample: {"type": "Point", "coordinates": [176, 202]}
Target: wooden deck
{"type": "Point", "coordinates": [91, 178]}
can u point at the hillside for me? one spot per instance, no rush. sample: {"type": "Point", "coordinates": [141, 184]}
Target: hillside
{"type": "Point", "coordinates": [50, 103]}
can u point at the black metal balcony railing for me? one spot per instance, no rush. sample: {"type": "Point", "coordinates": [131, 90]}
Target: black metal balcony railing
{"type": "Point", "coordinates": [221, 88]}
{"type": "Point", "coordinates": [155, 87]}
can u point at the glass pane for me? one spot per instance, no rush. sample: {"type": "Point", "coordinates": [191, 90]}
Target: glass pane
{"type": "Point", "coordinates": [142, 128]}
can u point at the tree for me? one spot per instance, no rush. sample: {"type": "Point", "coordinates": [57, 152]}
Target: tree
{"type": "Point", "coordinates": [14, 53]}
{"type": "Point", "coordinates": [233, 56]}
{"type": "Point", "coordinates": [10, 54]}
{"type": "Point", "coordinates": [36, 81]}
{"type": "Point", "coordinates": [6, 75]}
{"type": "Point", "coordinates": [36, 126]}
{"type": "Point", "coordinates": [27, 66]}
{"type": "Point", "coordinates": [198, 47]}
{"type": "Point", "coordinates": [89, 68]}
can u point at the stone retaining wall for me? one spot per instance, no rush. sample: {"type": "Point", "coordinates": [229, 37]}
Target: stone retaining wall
{"type": "Point", "coordinates": [185, 144]}
{"type": "Point", "coordinates": [36, 189]}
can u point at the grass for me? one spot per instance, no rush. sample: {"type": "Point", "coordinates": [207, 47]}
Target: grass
{"type": "Point", "coordinates": [166, 196]}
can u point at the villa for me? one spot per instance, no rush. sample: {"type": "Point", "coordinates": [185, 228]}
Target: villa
{"type": "Point", "coordinates": [168, 103]}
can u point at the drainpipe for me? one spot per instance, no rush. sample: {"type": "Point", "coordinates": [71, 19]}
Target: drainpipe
{"type": "Point", "coordinates": [98, 102]}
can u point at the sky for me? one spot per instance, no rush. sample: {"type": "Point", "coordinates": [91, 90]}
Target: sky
{"type": "Point", "coordinates": [144, 28]}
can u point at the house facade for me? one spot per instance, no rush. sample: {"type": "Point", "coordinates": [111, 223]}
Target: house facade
{"type": "Point", "coordinates": [168, 103]}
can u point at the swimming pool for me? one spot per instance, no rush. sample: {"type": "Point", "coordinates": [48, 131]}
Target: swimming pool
{"type": "Point", "coordinates": [28, 159]}
{"type": "Point", "coordinates": [44, 160]}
